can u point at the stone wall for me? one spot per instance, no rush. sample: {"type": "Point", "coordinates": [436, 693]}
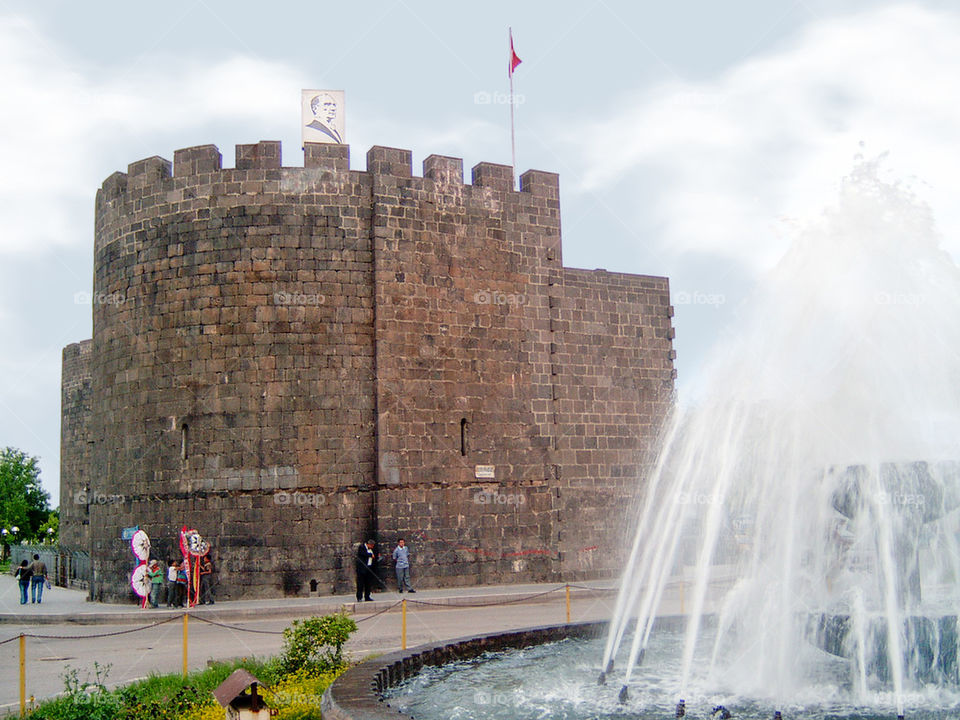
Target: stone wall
{"type": "Point", "coordinates": [307, 356]}
{"type": "Point", "coordinates": [75, 446]}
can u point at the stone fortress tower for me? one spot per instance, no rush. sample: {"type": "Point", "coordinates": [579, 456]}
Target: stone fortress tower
{"type": "Point", "coordinates": [292, 359]}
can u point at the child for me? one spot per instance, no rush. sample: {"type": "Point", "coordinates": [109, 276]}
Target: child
{"type": "Point", "coordinates": [155, 575]}
{"type": "Point", "coordinates": [172, 584]}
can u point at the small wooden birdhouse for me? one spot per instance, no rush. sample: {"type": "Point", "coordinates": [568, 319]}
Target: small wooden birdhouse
{"type": "Point", "coordinates": [237, 702]}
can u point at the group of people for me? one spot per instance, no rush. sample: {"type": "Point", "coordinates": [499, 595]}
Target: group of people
{"type": "Point", "coordinates": [177, 583]}
{"type": "Point", "coordinates": [31, 576]}
{"type": "Point", "coordinates": [367, 562]}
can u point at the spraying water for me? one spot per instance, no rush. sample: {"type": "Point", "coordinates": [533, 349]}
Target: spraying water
{"type": "Point", "coordinates": [810, 496]}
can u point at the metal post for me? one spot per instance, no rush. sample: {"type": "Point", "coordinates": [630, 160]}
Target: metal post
{"type": "Point", "coordinates": [23, 675]}
{"type": "Point", "coordinates": [403, 625]}
{"type": "Point", "coordinates": [185, 633]}
{"type": "Point", "coordinates": [682, 611]}
{"type": "Point", "coordinates": [568, 603]}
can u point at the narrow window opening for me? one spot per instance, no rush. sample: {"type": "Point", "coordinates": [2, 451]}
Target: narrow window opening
{"type": "Point", "coordinates": [313, 586]}
{"type": "Point", "coordinates": [463, 436]}
{"type": "Point", "coordinates": [184, 435]}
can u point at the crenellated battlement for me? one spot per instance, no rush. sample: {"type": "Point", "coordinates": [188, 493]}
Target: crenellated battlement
{"type": "Point", "coordinates": [203, 165]}
{"type": "Point", "coordinates": [196, 181]}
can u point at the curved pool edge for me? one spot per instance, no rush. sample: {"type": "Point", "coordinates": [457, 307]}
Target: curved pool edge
{"type": "Point", "coordinates": [358, 693]}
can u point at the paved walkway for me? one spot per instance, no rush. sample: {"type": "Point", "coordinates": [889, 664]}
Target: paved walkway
{"type": "Point", "coordinates": [65, 606]}
{"type": "Point", "coordinates": [126, 638]}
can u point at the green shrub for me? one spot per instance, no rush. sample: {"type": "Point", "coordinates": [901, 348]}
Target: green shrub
{"type": "Point", "coordinates": [315, 643]}
{"type": "Point", "coordinates": [88, 700]}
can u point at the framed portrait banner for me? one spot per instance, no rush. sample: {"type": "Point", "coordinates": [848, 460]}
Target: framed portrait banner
{"type": "Point", "coordinates": [322, 116]}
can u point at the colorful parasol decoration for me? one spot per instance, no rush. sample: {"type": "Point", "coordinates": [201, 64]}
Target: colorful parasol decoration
{"type": "Point", "coordinates": [140, 543]}
{"type": "Point", "coordinates": [194, 544]}
{"type": "Point", "coordinates": [193, 547]}
{"type": "Point", "coordinates": [140, 582]}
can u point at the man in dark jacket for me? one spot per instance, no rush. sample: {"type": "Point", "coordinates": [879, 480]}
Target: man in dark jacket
{"type": "Point", "coordinates": [366, 569]}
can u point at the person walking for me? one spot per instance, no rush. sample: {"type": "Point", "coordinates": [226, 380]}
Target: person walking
{"type": "Point", "coordinates": [155, 575]}
{"type": "Point", "coordinates": [366, 569]}
{"type": "Point", "coordinates": [23, 574]}
{"type": "Point", "coordinates": [206, 581]}
{"type": "Point", "coordinates": [38, 579]}
{"type": "Point", "coordinates": [401, 559]}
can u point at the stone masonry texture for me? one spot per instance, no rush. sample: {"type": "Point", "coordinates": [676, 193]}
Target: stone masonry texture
{"type": "Point", "coordinates": [292, 359]}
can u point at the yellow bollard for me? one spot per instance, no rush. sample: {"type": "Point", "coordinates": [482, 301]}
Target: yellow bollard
{"type": "Point", "coordinates": [568, 603]}
{"type": "Point", "coordinates": [23, 675]}
{"type": "Point", "coordinates": [403, 625]}
{"type": "Point", "coordinates": [185, 633]}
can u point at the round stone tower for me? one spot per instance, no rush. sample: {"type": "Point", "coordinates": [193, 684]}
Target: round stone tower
{"type": "Point", "coordinates": [232, 384]}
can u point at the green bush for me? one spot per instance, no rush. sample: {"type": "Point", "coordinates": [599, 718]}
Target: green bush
{"type": "Point", "coordinates": [316, 643]}
{"type": "Point", "coordinates": [88, 700]}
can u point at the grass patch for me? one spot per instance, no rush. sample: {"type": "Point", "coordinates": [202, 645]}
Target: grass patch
{"type": "Point", "coordinates": [292, 683]}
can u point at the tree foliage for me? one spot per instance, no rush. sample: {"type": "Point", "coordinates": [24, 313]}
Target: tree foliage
{"type": "Point", "coordinates": [23, 501]}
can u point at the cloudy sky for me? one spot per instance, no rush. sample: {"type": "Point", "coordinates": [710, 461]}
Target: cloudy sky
{"type": "Point", "coordinates": [693, 138]}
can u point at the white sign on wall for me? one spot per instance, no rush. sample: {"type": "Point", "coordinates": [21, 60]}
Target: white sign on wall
{"type": "Point", "coordinates": [486, 472]}
{"type": "Point", "coordinates": [323, 116]}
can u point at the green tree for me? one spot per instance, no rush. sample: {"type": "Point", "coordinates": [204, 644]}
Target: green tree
{"type": "Point", "coordinates": [24, 503]}
{"type": "Point", "coordinates": [49, 532]}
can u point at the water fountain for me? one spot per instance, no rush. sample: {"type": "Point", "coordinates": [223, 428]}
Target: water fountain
{"type": "Point", "coordinates": [807, 502]}
{"type": "Point", "coordinates": [810, 495]}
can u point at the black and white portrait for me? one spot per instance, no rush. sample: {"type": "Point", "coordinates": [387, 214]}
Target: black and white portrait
{"type": "Point", "coordinates": [323, 116]}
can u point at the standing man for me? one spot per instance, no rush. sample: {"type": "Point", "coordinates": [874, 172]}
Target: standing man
{"type": "Point", "coordinates": [401, 557]}
{"type": "Point", "coordinates": [206, 580]}
{"type": "Point", "coordinates": [38, 579]}
{"type": "Point", "coordinates": [366, 569]}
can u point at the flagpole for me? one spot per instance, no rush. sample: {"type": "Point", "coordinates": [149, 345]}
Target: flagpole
{"type": "Point", "coordinates": [513, 138]}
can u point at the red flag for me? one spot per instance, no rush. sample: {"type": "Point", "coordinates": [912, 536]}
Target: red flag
{"type": "Point", "coordinates": [514, 59]}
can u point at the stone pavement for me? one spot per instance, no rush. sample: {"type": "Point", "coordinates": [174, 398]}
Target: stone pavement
{"type": "Point", "coordinates": [67, 606]}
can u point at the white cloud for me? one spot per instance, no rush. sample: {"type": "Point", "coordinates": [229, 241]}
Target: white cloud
{"type": "Point", "coordinates": [60, 116]}
{"type": "Point", "coordinates": [772, 137]}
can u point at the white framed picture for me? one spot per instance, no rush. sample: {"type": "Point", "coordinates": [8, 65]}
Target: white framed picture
{"type": "Point", "coordinates": [322, 114]}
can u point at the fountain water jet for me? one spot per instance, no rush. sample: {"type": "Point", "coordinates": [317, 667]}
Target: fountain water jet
{"type": "Point", "coordinates": [807, 491]}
